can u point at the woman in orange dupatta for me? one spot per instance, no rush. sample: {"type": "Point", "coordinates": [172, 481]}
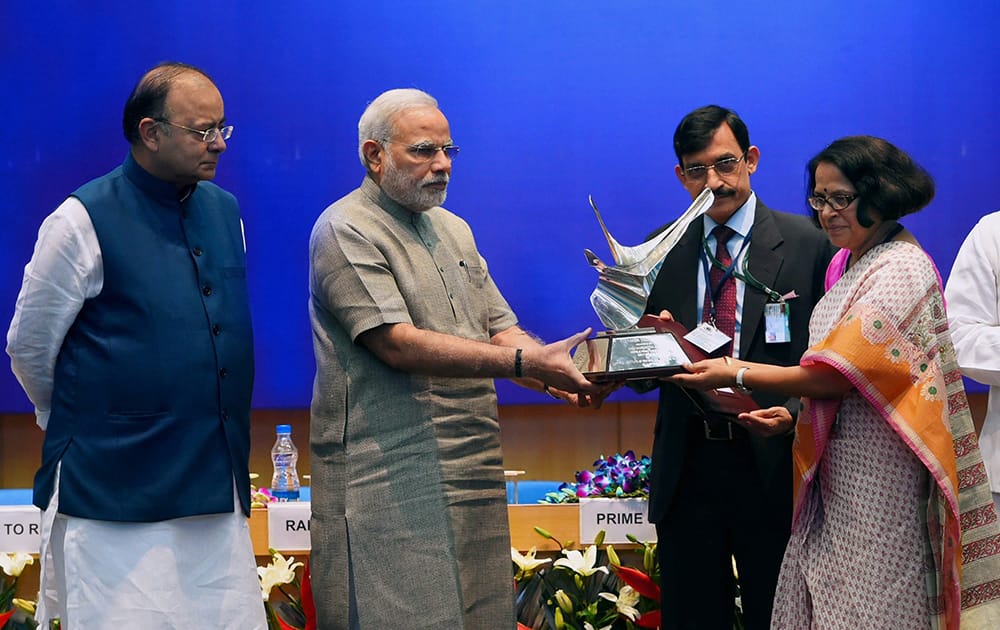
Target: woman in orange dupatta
{"type": "Point", "coordinates": [894, 523]}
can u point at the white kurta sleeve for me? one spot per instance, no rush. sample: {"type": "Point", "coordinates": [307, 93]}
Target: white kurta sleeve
{"type": "Point", "coordinates": [65, 269]}
{"type": "Point", "coordinates": [972, 302]}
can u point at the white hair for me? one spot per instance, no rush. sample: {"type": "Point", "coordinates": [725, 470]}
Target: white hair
{"type": "Point", "coordinates": [376, 122]}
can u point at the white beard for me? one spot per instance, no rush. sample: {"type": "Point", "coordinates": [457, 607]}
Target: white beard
{"type": "Point", "coordinates": [410, 193]}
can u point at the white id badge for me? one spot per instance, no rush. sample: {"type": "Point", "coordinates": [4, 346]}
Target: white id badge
{"type": "Point", "coordinates": [776, 328]}
{"type": "Point", "coordinates": [707, 337]}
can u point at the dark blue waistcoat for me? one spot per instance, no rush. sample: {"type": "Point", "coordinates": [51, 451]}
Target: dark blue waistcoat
{"type": "Point", "coordinates": [151, 400]}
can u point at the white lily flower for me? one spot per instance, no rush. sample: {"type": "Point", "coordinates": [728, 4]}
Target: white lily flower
{"type": "Point", "coordinates": [268, 577]}
{"type": "Point", "coordinates": [527, 563]}
{"type": "Point", "coordinates": [587, 626]}
{"type": "Point", "coordinates": [279, 571]}
{"type": "Point", "coordinates": [625, 602]}
{"type": "Point", "coordinates": [582, 563]}
{"type": "Point", "coordinates": [13, 563]}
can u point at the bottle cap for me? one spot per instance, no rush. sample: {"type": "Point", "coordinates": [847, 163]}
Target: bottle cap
{"type": "Point", "coordinates": [283, 428]}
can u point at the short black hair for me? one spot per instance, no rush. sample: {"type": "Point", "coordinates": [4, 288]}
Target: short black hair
{"type": "Point", "coordinates": [695, 130]}
{"type": "Point", "coordinates": [149, 96]}
{"type": "Point", "coordinates": [887, 180]}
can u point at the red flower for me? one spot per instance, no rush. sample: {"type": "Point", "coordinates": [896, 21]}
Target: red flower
{"type": "Point", "coordinates": [306, 599]}
{"type": "Point", "coordinates": [4, 617]}
{"type": "Point", "coordinates": [521, 626]}
{"type": "Point", "coordinates": [642, 583]}
{"type": "Point", "coordinates": [649, 620]}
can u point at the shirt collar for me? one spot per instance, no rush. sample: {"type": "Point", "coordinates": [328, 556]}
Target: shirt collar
{"type": "Point", "coordinates": [741, 221]}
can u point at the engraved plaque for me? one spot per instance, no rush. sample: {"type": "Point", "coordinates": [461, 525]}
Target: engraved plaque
{"type": "Point", "coordinates": [619, 356]}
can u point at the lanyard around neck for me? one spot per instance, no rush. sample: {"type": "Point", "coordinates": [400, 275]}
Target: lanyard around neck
{"type": "Point", "coordinates": [708, 260]}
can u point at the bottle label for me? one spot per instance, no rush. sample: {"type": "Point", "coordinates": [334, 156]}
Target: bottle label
{"type": "Point", "coordinates": [285, 481]}
{"type": "Point", "coordinates": [282, 459]}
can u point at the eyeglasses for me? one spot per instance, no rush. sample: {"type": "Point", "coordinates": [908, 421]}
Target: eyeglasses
{"type": "Point", "coordinates": [425, 152]}
{"type": "Point", "coordinates": [725, 166]}
{"type": "Point", "coordinates": [208, 135]}
{"type": "Point", "coordinates": [836, 202]}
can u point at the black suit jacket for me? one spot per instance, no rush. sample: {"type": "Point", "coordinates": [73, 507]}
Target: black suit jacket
{"type": "Point", "coordinates": [786, 252]}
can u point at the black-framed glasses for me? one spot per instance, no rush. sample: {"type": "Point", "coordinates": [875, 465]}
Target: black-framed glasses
{"type": "Point", "coordinates": [725, 166]}
{"type": "Point", "coordinates": [836, 202]}
{"type": "Point", "coordinates": [207, 135]}
{"type": "Point", "coordinates": [425, 151]}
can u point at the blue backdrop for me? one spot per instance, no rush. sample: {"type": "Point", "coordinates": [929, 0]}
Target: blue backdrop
{"type": "Point", "coordinates": [549, 100]}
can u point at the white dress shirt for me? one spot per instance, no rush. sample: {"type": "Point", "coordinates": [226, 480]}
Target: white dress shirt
{"type": "Point", "coordinates": [64, 270]}
{"type": "Point", "coordinates": [741, 221]}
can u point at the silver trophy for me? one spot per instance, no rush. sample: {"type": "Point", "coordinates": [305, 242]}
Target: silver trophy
{"type": "Point", "coordinates": [629, 349]}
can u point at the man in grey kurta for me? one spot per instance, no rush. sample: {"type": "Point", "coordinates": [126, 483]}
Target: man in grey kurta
{"type": "Point", "coordinates": [409, 521]}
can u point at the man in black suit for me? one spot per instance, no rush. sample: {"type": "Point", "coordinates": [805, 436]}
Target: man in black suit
{"type": "Point", "coordinates": [719, 492]}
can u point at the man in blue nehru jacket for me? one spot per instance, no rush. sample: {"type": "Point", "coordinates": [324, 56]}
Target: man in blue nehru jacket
{"type": "Point", "coordinates": [132, 339]}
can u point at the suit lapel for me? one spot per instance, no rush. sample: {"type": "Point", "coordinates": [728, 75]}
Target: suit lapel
{"type": "Point", "coordinates": [683, 285]}
{"type": "Point", "coordinates": [676, 285]}
{"type": "Point", "coordinates": [764, 263]}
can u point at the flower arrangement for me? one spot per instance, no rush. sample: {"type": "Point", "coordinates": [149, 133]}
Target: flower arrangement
{"type": "Point", "coordinates": [294, 613]}
{"type": "Point", "coordinates": [259, 497]}
{"type": "Point", "coordinates": [578, 593]}
{"type": "Point", "coordinates": [15, 614]}
{"type": "Point", "coordinates": [616, 476]}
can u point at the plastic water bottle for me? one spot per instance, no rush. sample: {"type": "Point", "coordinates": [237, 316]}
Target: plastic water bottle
{"type": "Point", "coordinates": [285, 457]}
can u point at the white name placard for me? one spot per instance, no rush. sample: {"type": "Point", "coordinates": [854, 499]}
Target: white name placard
{"type": "Point", "coordinates": [288, 525]}
{"type": "Point", "coordinates": [617, 517]}
{"type": "Point", "coordinates": [19, 528]}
